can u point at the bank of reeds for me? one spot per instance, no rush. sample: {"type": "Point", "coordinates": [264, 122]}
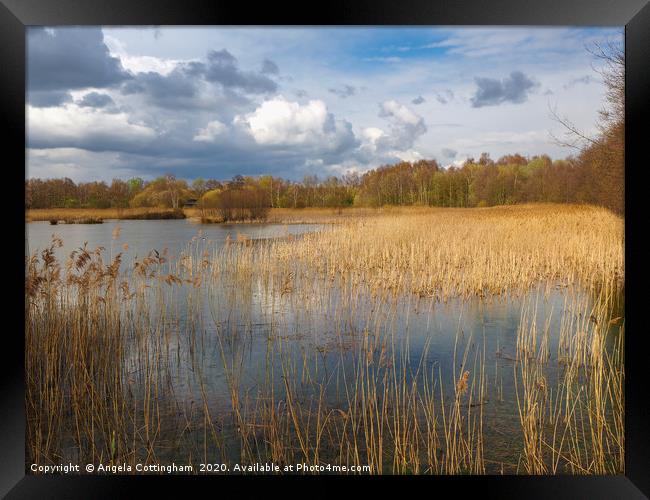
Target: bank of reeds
{"type": "Point", "coordinates": [84, 220]}
{"type": "Point", "coordinates": [73, 215]}
{"type": "Point", "coordinates": [447, 253]}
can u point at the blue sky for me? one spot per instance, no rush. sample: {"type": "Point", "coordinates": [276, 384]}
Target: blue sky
{"type": "Point", "coordinates": [215, 102]}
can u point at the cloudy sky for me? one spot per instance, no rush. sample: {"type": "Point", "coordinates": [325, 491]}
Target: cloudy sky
{"type": "Point", "coordinates": [216, 102]}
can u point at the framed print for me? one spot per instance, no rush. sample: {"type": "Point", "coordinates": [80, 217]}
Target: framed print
{"type": "Point", "coordinates": [375, 242]}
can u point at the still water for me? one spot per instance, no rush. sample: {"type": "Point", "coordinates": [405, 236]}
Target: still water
{"type": "Point", "coordinates": [242, 339]}
{"type": "Point", "coordinates": [142, 236]}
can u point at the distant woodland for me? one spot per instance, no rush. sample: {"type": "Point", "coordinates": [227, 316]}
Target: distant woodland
{"type": "Point", "coordinates": [593, 173]}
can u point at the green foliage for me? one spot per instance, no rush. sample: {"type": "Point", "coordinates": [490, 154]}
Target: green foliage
{"type": "Point", "coordinates": [71, 203]}
{"type": "Point", "coordinates": [135, 184]}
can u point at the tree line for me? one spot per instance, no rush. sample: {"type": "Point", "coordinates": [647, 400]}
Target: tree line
{"type": "Point", "coordinates": [587, 178]}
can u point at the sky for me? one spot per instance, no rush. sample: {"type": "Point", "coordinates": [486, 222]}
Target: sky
{"type": "Point", "coordinates": [214, 102]}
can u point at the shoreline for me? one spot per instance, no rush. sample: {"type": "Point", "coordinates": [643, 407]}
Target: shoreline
{"type": "Point", "coordinates": [309, 215]}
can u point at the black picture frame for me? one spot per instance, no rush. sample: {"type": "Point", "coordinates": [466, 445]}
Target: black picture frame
{"type": "Point", "coordinates": [15, 15]}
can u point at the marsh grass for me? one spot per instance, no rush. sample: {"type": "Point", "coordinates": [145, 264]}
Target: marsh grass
{"type": "Point", "coordinates": [577, 425]}
{"type": "Point", "coordinates": [75, 215]}
{"type": "Point", "coordinates": [116, 352]}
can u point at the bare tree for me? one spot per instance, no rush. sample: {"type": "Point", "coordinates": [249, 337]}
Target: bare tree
{"type": "Point", "coordinates": [173, 189]}
{"type": "Point", "coordinates": [603, 155]}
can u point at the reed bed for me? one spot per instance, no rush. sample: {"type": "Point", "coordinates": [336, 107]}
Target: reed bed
{"type": "Point", "coordinates": [448, 253]}
{"type": "Point", "coordinates": [153, 360]}
{"type": "Point", "coordinates": [73, 215]}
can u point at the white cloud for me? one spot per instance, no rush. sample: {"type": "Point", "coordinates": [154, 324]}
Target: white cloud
{"type": "Point", "coordinates": [144, 64]}
{"type": "Point", "coordinates": [139, 63]}
{"type": "Point", "coordinates": [457, 163]}
{"type": "Point", "coordinates": [280, 122]}
{"type": "Point", "coordinates": [71, 126]}
{"type": "Point", "coordinates": [210, 132]}
{"type": "Point", "coordinates": [372, 134]}
{"type": "Point", "coordinates": [410, 155]}
{"type": "Point", "coordinates": [405, 126]}
{"type": "Point", "coordinates": [400, 112]}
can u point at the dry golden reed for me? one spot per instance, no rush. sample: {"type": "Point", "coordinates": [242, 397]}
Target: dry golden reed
{"type": "Point", "coordinates": [445, 253]}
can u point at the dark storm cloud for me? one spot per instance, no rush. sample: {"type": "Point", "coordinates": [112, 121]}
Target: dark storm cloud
{"type": "Point", "coordinates": [166, 87]}
{"type": "Point", "coordinates": [418, 100]}
{"type": "Point", "coordinates": [96, 141]}
{"type": "Point", "coordinates": [269, 67]}
{"type": "Point", "coordinates": [96, 100]}
{"type": "Point", "coordinates": [71, 58]}
{"type": "Point", "coordinates": [345, 91]}
{"type": "Point", "coordinates": [180, 88]}
{"type": "Point", "coordinates": [235, 155]}
{"type": "Point", "coordinates": [176, 90]}
{"type": "Point", "coordinates": [492, 92]}
{"type": "Point", "coordinates": [47, 99]}
{"type": "Point", "coordinates": [222, 67]}
{"type": "Point", "coordinates": [132, 87]}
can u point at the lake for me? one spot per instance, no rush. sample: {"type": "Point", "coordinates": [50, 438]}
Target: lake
{"type": "Point", "coordinates": [142, 236]}
{"type": "Point", "coordinates": [236, 361]}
